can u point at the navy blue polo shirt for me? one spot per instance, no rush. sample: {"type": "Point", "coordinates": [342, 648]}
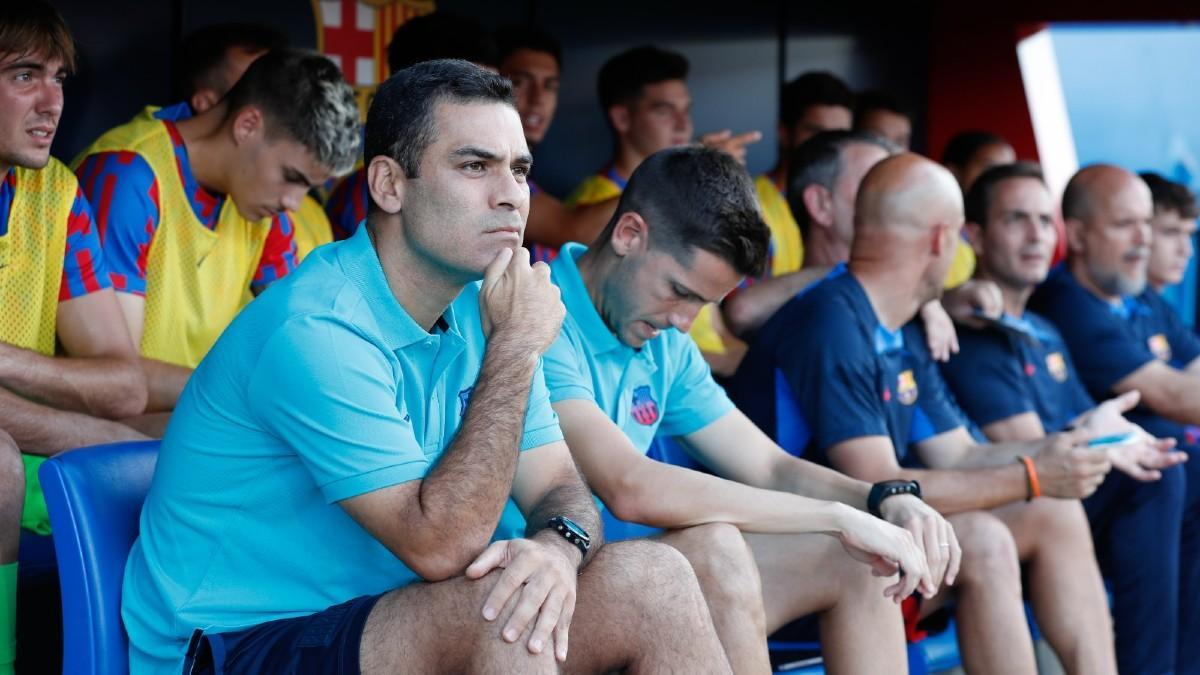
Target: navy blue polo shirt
{"type": "Point", "coordinates": [1109, 341]}
{"type": "Point", "coordinates": [839, 374]}
{"type": "Point", "coordinates": [997, 374]}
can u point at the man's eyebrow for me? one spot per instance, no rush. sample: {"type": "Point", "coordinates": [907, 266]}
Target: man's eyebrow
{"type": "Point", "coordinates": [523, 158]}
{"type": "Point", "coordinates": [25, 64]}
{"type": "Point", "coordinates": [474, 151]}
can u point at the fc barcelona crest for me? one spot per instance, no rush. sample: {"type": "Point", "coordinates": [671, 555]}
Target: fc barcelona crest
{"type": "Point", "coordinates": [906, 388]}
{"type": "Point", "coordinates": [464, 398]}
{"type": "Point", "coordinates": [645, 409]}
{"type": "Point", "coordinates": [1159, 347]}
{"type": "Point", "coordinates": [1057, 366]}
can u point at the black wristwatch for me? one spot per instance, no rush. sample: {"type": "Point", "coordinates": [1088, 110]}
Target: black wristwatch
{"type": "Point", "coordinates": [890, 488]}
{"type": "Point", "coordinates": [571, 532]}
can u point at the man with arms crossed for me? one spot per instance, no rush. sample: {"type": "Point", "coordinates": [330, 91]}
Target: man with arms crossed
{"type": "Point", "coordinates": [54, 288]}
{"type": "Point", "coordinates": [1124, 337]}
{"type": "Point", "coordinates": [333, 505]}
{"type": "Point", "coordinates": [858, 390]}
{"type": "Point", "coordinates": [1019, 383]}
{"type": "Point", "coordinates": [687, 229]}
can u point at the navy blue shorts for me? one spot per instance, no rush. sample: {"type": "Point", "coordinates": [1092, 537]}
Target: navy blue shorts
{"type": "Point", "coordinates": [325, 642]}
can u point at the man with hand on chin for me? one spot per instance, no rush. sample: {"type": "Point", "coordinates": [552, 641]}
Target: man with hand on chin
{"type": "Point", "coordinates": [358, 494]}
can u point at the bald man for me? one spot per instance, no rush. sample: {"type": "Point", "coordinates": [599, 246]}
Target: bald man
{"type": "Point", "coordinates": [1124, 337]}
{"type": "Point", "coordinates": [860, 392]}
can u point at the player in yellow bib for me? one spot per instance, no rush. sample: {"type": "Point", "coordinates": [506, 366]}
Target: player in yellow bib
{"type": "Point", "coordinates": [189, 204]}
{"type": "Point", "coordinates": [67, 364]}
{"type": "Point", "coordinates": [214, 58]}
{"type": "Point", "coordinates": [646, 103]}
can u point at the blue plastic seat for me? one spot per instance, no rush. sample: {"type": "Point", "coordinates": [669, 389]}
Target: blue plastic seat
{"type": "Point", "coordinates": [94, 496]}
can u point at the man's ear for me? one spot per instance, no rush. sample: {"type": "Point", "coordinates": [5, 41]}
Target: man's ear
{"type": "Point", "coordinates": [939, 239]}
{"type": "Point", "coordinates": [819, 203]}
{"type": "Point", "coordinates": [202, 100]}
{"type": "Point", "coordinates": [248, 124]}
{"type": "Point", "coordinates": [620, 118]}
{"type": "Point", "coordinates": [974, 234]}
{"type": "Point", "coordinates": [1075, 235]}
{"type": "Point", "coordinates": [630, 234]}
{"type": "Point", "coordinates": [386, 183]}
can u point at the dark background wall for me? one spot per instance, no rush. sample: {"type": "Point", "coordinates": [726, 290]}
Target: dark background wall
{"type": "Point", "coordinates": [956, 66]}
{"type": "Point", "coordinates": [126, 49]}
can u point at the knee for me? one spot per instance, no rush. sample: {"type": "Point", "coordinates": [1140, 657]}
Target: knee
{"type": "Point", "coordinates": [721, 559]}
{"type": "Point", "coordinates": [12, 468]}
{"type": "Point", "coordinates": [1062, 524]}
{"type": "Point", "coordinates": [989, 553]}
{"type": "Point", "coordinates": [646, 573]}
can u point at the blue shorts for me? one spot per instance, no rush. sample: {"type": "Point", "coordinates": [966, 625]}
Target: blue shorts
{"type": "Point", "coordinates": [325, 642]}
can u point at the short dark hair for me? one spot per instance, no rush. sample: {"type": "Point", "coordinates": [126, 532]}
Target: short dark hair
{"type": "Point", "coordinates": [810, 89]}
{"type": "Point", "coordinates": [440, 35]}
{"type": "Point", "coordinates": [511, 38]}
{"type": "Point", "coordinates": [696, 197]}
{"type": "Point", "coordinates": [303, 95]}
{"type": "Point", "coordinates": [203, 51]}
{"type": "Point", "coordinates": [978, 200]}
{"type": "Point", "coordinates": [623, 76]}
{"type": "Point", "coordinates": [1170, 196]}
{"type": "Point", "coordinates": [818, 161]}
{"type": "Point", "coordinates": [400, 123]}
{"type": "Point", "coordinates": [877, 99]}
{"type": "Point", "coordinates": [963, 146]}
{"type": "Point", "coordinates": [33, 27]}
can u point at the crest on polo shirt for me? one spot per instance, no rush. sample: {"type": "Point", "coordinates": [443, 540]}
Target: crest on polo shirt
{"type": "Point", "coordinates": [906, 388]}
{"type": "Point", "coordinates": [645, 409]}
{"type": "Point", "coordinates": [464, 397]}
{"type": "Point", "coordinates": [1057, 365]}
{"type": "Point", "coordinates": [1159, 347]}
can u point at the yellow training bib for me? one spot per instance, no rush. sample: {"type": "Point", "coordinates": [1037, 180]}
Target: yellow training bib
{"type": "Point", "coordinates": [196, 278]}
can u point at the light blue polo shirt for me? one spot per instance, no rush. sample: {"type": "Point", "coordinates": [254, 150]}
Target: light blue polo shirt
{"type": "Point", "coordinates": [663, 388]}
{"type": "Point", "coordinates": [322, 389]}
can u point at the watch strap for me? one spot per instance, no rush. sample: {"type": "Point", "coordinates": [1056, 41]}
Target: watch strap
{"type": "Point", "coordinates": [890, 488]}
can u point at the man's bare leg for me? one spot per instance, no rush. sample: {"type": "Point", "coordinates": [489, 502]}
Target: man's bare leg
{"type": "Point", "coordinates": [12, 499]}
{"type": "Point", "coordinates": [638, 609]}
{"type": "Point", "coordinates": [861, 629]}
{"type": "Point", "coordinates": [1055, 543]}
{"type": "Point", "coordinates": [992, 633]}
{"type": "Point", "coordinates": [729, 578]}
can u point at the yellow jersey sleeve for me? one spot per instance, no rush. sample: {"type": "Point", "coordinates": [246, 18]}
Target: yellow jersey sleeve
{"type": "Point", "coordinates": [595, 188]}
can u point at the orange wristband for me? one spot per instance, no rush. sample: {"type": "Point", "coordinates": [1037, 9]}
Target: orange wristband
{"type": "Point", "coordinates": [1034, 489]}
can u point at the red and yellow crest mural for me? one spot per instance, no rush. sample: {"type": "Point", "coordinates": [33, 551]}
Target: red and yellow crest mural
{"type": "Point", "coordinates": [355, 35]}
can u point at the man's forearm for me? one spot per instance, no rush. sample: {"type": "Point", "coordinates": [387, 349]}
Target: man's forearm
{"type": "Point", "coordinates": [673, 497]}
{"type": "Point", "coordinates": [951, 491]}
{"type": "Point", "coordinates": [571, 499]}
{"type": "Point", "coordinates": [101, 386]}
{"type": "Point", "coordinates": [467, 489]}
{"type": "Point", "coordinates": [40, 430]}
{"type": "Point", "coordinates": [165, 382]}
{"type": "Point", "coordinates": [818, 482]}
{"type": "Point", "coordinates": [749, 308]}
